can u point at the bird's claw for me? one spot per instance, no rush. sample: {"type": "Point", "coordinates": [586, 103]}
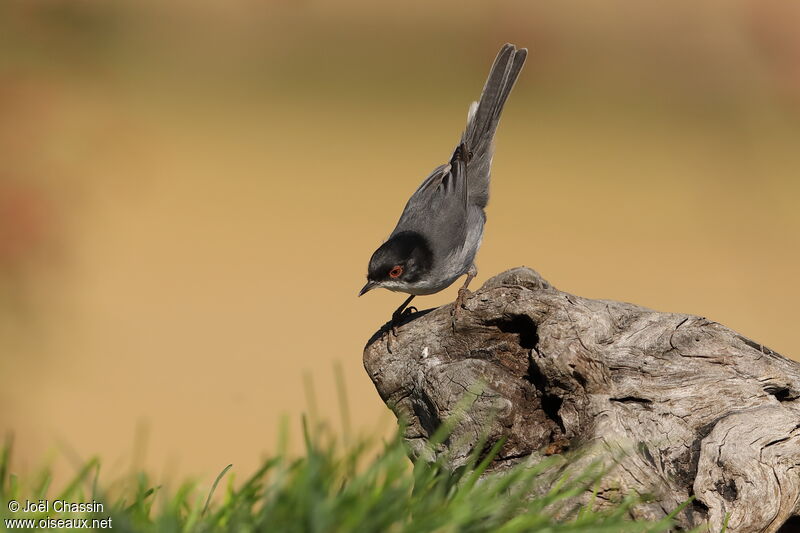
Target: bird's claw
{"type": "Point", "coordinates": [396, 319]}
{"type": "Point", "coordinates": [463, 294]}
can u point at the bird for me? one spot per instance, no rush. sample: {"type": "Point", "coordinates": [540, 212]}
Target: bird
{"type": "Point", "coordinates": [441, 228]}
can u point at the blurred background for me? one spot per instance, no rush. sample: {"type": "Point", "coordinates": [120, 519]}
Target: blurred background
{"type": "Point", "coordinates": [190, 193]}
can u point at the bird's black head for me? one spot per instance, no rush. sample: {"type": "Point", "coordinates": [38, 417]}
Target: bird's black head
{"type": "Point", "coordinates": [400, 263]}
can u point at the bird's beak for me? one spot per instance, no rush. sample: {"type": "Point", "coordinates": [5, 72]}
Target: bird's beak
{"type": "Point", "coordinates": [368, 287]}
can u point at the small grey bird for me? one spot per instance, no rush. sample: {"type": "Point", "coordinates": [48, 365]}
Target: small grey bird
{"type": "Point", "coordinates": [441, 227]}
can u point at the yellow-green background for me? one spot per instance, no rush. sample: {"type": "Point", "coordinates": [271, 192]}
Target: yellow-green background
{"type": "Point", "coordinates": [190, 193]}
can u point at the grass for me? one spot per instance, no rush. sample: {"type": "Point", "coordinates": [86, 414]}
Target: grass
{"type": "Point", "coordinates": [340, 485]}
{"type": "Point", "coordinates": [365, 486]}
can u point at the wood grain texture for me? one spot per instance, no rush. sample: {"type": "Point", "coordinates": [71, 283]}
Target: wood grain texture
{"type": "Point", "coordinates": [697, 409]}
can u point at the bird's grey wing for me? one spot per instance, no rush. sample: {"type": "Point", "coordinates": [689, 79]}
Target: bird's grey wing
{"type": "Point", "coordinates": [483, 118]}
{"type": "Point", "coordinates": [438, 209]}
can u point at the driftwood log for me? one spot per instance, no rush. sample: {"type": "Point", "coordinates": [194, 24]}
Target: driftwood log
{"type": "Point", "coordinates": [707, 412]}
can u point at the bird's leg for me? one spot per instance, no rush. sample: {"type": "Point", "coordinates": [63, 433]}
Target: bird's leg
{"type": "Point", "coordinates": [397, 316]}
{"type": "Point", "coordinates": [463, 292]}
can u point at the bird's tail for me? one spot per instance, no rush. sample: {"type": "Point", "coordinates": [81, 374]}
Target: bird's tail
{"type": "Point", "coordinates": [484, 115]}
{"type": "Point", "coordinates": [474, 154]}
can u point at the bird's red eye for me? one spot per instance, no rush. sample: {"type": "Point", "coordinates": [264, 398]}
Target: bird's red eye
{"type": "Point", "coordinates": [396, 271]}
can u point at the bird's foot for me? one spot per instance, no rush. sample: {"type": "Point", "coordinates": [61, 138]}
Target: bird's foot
{"type": "Point", "coordinates": [397, 317]}
{"type": "Point", "coordinates": [463, 294]}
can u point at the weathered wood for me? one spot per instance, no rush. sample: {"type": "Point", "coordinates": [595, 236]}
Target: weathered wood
{"type": "Point", "coordinates": [701, 410]}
